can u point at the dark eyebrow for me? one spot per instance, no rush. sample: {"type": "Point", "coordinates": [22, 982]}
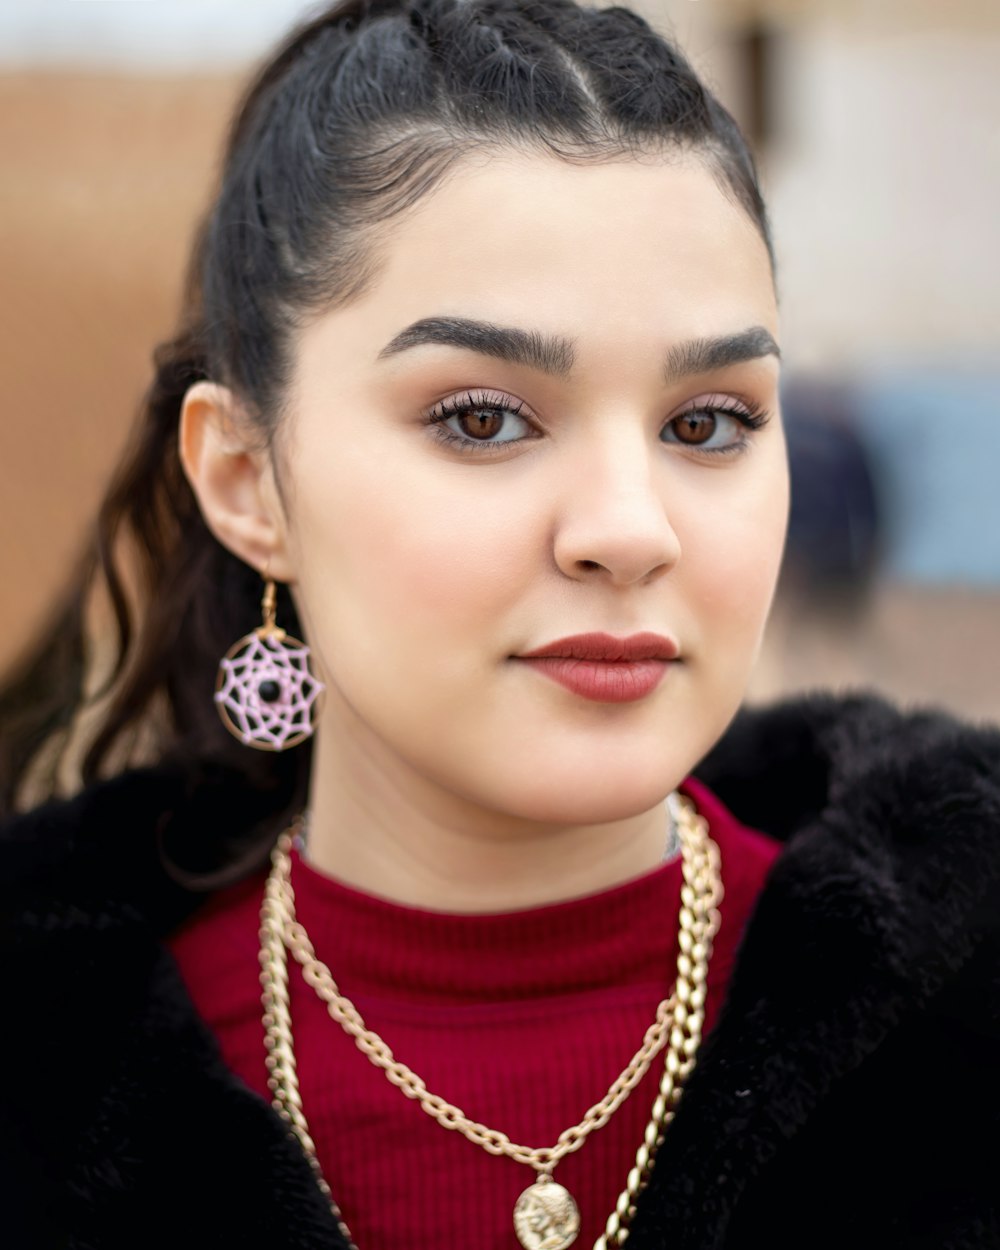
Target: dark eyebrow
{"type": "Point", "coordinates": [706, 355]}
{"type": "Point", "coordinates": [553, 354]}
{"type": "Point", "coordinates": [549, 353]}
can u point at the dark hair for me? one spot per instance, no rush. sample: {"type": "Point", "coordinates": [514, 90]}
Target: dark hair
{"type": "Point", "coordinates": [360, 113]}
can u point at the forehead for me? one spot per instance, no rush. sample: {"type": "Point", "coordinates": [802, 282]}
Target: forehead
{"type": "Point", "coordinates": [641, 252]}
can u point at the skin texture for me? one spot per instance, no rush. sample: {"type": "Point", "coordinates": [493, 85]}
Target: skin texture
{"type": "Point", "coordinates": [446, 774]}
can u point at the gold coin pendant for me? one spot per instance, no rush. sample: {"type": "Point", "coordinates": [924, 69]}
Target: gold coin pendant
{"type": "Point", "coordinates": [546, 1217]}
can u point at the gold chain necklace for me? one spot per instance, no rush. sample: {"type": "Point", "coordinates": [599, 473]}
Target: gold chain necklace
{"type": "Point", "coordinates": [546, 1216]}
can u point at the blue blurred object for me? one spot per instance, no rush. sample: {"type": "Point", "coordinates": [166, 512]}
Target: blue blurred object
{"type": "Point", "coordinates": [834, 525]}
{"type": "Point", "coordinates": [934, 437]}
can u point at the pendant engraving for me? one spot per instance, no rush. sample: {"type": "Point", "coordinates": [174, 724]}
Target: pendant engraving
{"type": "Point", "coordinates": [546, 1217]}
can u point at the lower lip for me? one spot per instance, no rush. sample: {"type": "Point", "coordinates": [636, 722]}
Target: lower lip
{"type": "Point", "coordinates": [612, 681]}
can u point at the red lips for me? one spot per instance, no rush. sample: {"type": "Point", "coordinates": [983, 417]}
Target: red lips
{"type": "Point", "coordinates": [607, 648]}
{"type": "Point", "coordinates": [603, 668]}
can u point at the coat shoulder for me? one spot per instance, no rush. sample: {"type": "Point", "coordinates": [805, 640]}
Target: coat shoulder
{"type": "Point", "coordinates": [899, 811]}
{"type": "Point", "coordinates": [781, 764]}
{"type": "Point", "coordinates": [144, 843]}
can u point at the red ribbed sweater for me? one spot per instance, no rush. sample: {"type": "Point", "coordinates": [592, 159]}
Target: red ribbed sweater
{"type": "Point", "coordinates": [523, 1019]}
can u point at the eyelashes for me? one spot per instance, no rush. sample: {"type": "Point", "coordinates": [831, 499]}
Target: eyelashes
{"type": "Point", "coordinates": [707, 418]}
{"type": "Point", "coordinates": [701, 422]}
{"type": "Point", "coordinates": [488, 408]}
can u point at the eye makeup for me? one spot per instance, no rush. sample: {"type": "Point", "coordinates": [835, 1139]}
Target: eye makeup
{"type": "Point", "coordinates": [714, 425]}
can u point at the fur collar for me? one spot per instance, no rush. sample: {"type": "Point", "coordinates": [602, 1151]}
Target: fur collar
{"type": "Point", "coordinates": [879, 907]}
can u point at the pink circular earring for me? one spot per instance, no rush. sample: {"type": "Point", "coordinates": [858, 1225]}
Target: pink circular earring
{"type": "Point", "coordinates": [266, 693]}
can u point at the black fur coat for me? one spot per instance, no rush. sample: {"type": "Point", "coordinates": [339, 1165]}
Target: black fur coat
{"type": "Point", "coordinates": [849, 1096]}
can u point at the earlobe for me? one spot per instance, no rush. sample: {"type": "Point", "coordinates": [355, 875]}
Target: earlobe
{"type": "Point", "coordinates": [232, 479]}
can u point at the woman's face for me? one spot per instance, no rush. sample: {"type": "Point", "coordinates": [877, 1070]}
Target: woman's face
{"type": "Point", "coordinates": [599, 340]}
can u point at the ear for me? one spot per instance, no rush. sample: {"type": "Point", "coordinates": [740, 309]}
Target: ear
{"type": "Point", "coordinates": [233, 480]}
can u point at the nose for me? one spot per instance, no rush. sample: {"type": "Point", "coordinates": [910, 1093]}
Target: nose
{"type": "Point", "coordinates": [613, 522]}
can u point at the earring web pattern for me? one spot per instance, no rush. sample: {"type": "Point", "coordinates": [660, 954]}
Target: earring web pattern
{"type": "Point", "coordinates": [257, 722]}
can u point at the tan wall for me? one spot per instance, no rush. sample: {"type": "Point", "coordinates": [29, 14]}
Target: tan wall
{"type": "Point", "coordinates": [884, 186]}
{"type": "Point", "coordinates": [102, 181]}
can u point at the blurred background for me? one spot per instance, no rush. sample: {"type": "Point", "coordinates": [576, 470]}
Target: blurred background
{"type": "Point", "coordinates": [877, 128]}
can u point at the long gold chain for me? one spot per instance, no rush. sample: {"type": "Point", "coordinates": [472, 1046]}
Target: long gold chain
{"type": "Point", "coordinates": [677, 1026]}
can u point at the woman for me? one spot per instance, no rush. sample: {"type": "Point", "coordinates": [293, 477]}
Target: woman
{"type": "Point", "coordinates": [464, 490]}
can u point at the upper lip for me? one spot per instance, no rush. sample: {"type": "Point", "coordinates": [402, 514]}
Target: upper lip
{"type": "Point", "coordinates": [645, 646]}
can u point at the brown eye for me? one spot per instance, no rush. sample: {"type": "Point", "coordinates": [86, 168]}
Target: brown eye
{"type": "Point", "coordinates": [711, 429]}
{"type": "Point", "coordinates": [695, 428]}
{"type": "Point", "coordinates": [482, 423]}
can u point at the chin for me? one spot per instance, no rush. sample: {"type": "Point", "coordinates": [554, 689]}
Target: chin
{"type": "Point", "coordinates": [591, 796]}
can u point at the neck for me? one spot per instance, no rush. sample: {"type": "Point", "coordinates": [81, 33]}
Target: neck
{"type": "Point", "coordinates": [390, 832]}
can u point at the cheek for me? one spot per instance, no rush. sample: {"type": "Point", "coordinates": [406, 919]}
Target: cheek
{"type": "Point", "coordinates": [732, 556]}
{"type": "Point", "coordinates": [394, 543]}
